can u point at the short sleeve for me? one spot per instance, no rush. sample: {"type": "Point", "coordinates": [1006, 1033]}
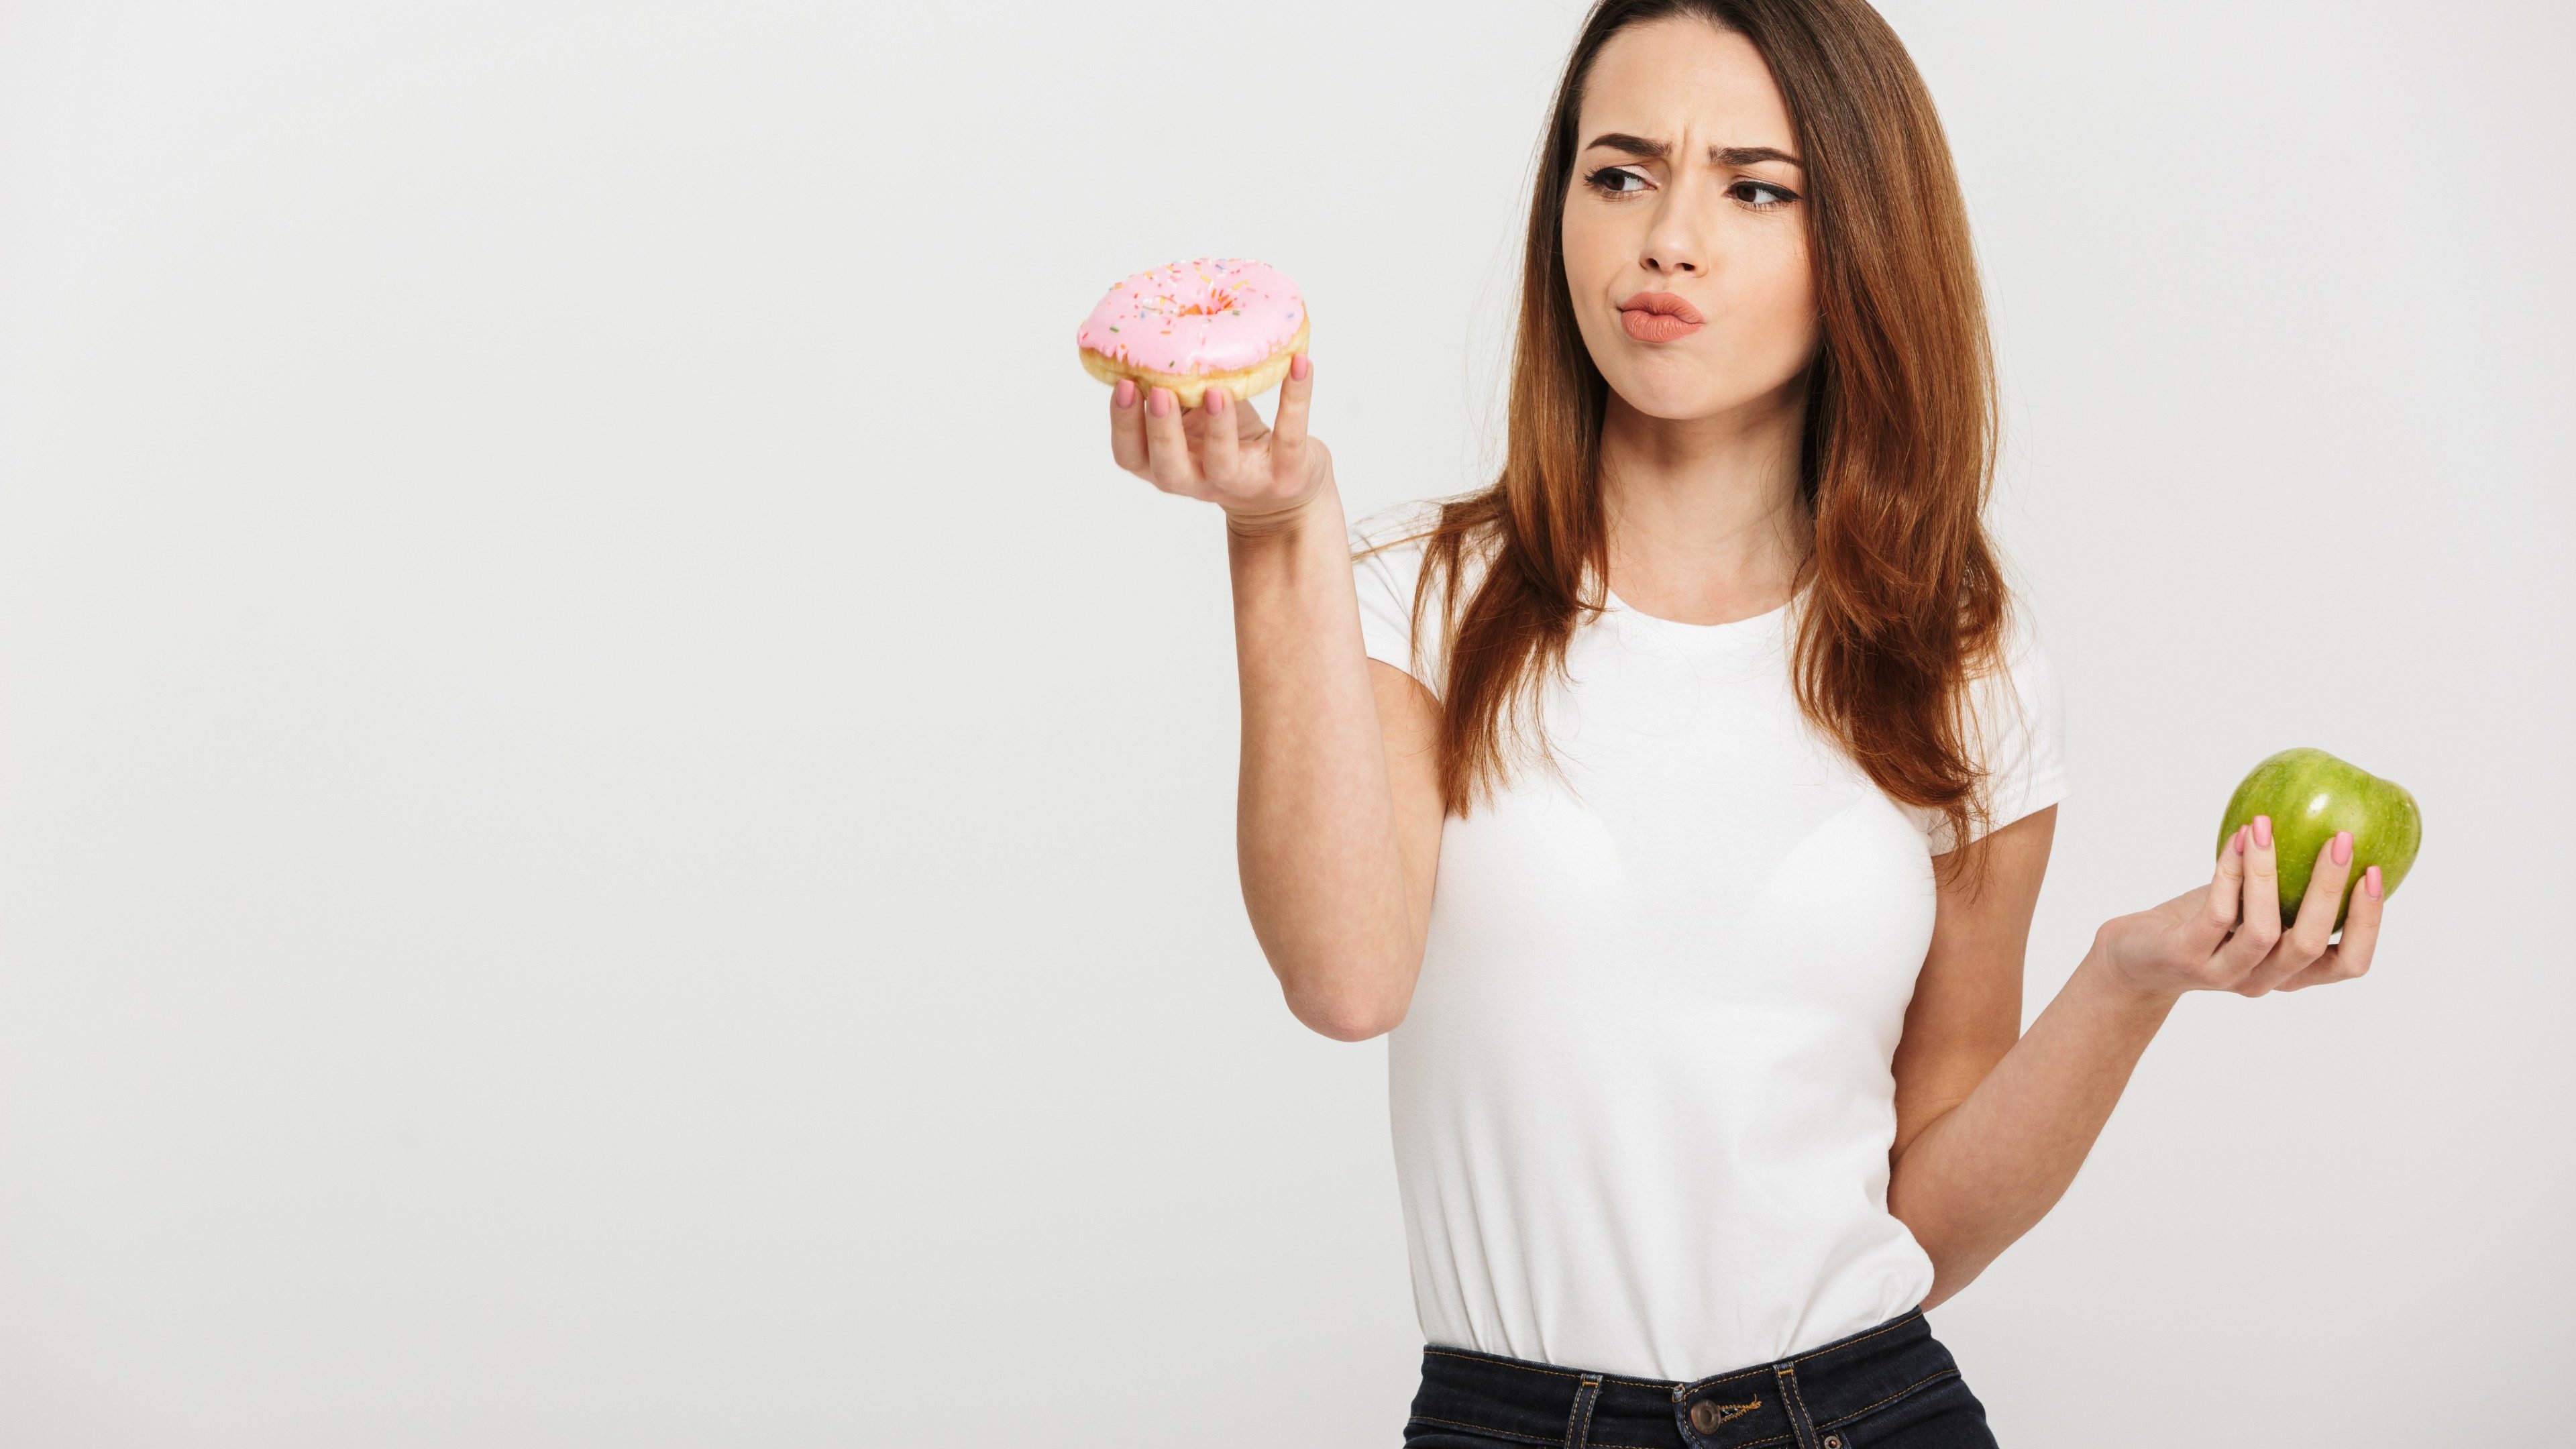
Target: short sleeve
{"type": "Point", "coordinates": [2017, 731]}
{"type": "Point", "coordinates": [1385, 580]}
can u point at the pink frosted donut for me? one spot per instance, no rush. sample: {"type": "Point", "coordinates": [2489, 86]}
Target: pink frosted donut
{"type": "Point", "coordinates": [1216, 322]}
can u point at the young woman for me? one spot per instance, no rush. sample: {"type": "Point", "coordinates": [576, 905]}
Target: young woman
{"type": "Point", "coordinates": [1733, 766]}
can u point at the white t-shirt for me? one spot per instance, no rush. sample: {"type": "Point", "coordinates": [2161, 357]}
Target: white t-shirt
{"type": "Point", "coordinates": [1642, 1102]}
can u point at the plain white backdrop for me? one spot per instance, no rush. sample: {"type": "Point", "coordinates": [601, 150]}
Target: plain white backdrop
{"type": "Point", "coordinates": [616, 829]}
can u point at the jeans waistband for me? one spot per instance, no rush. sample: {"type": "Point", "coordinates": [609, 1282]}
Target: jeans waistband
{"type": "Point", "coordinates": [1799, 1400]}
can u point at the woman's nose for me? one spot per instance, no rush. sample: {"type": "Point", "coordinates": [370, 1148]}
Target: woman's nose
{"type": "Point", "coordinates": [1673, 245]}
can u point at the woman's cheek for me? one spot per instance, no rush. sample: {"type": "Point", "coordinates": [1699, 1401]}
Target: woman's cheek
{"type": "Point", "coordinates": [1788, 328]}
{"type": "Point", "coordinates": [1585, 241]}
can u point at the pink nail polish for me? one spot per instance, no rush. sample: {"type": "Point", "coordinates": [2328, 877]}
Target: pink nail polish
{"type": "Point", "coordinates": [1159, 402]}
{"type": "Point", "coordinates": [2370, 882]}
{"type": "Point", "coordinates": [1125, 396]}
{"type": "Point", "coordinates": [2239, 839]}
{"type": "Point", "coordinates": [1214, 401]}
{"type": "Point", "coordinates": [1299, 367]}
{"type": "Point", "coordinates": [2343, 847]}
{"type": "Point", "coordinates": [2263, 832]}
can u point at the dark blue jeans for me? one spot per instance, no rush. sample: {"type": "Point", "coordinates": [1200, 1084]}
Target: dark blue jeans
{"type": "Point", "coordinates": [1889, 1387]}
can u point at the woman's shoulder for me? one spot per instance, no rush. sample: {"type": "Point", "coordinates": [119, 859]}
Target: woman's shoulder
{"type": "Point", "coordinates": [2015, 676]}
{"type": "Point", "coordinates": [1388, 551]}
{"type": "Point", "coordinates": [1406, 526]}
{"type": "Point", "coordinates": [1393, 540]}
{"type": "Point", "coordinates": [2016, 724]}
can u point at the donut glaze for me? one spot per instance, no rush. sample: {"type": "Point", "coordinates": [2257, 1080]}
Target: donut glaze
{"type": "Point", "coordinates": [1202, 318]}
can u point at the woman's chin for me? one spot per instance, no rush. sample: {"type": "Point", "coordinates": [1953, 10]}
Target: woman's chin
{"type": "Point", "coordinates": [1675, 400]}
{"type": "Point", "coordinates": [1670, 390]}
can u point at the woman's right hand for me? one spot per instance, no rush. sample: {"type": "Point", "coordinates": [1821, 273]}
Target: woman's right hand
{"type": "Point", "coordinates": [2227, 935]}
{"type": "Point", "coordinates": [1263, 476]}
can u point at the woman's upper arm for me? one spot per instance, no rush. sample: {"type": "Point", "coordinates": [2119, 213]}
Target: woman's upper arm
{"type": "Point", "coordinates": [1409, 722]}
{"type": "Point", "coordinates": [1966, 1011]}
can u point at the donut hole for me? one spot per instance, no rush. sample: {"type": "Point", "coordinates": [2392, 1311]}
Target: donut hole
{"type": "Point", "coordinates": [1215, 304]}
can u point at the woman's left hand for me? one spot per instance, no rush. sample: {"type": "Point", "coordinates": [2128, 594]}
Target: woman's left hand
{"type": "Point", "coordinates": [2227, 936]}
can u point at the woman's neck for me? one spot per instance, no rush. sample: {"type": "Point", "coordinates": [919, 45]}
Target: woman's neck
{"type": "Point", "coordinates": [1705, 522]}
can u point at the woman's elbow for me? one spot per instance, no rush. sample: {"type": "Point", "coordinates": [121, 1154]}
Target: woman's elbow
{"type": "Point", "coordinates": [1347, 1015]}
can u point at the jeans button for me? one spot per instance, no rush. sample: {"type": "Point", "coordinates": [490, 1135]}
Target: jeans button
{"type": "Point", "coordinates": [1705, 1418]}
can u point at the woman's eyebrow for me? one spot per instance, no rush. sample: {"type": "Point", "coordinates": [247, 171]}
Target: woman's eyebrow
{"type": "Point", "coordinates": [1722, 155]}
{"type": "Point", "coordinates": [1633, 145]}
{"type": "Point", "coordinates": [1747, 155]}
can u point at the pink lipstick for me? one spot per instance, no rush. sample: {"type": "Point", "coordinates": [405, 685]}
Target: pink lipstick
{"type": "Point", "coordinates": [1659, 317]}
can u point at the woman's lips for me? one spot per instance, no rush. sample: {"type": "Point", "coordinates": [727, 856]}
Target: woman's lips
{"type": "Point", "coordinates": [1659, 317]}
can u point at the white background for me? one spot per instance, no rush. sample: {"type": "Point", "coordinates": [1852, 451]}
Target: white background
{"type": "Point", "coordinates": [615, 829]}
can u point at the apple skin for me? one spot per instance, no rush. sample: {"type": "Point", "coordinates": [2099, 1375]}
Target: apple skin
{"type": "Point", "coordinates": [2310, 795]}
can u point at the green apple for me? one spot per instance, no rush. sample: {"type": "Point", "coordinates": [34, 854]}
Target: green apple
{"type": "Point", "coordinates": [2310, 795]}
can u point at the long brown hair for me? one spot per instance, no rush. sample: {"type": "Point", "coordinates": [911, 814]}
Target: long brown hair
{"type": "Point", "coordinates": [1904, 598]}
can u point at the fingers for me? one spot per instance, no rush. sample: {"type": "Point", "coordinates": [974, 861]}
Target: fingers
{"type": "Point", "coordinates": [1127, 427]}
{"type": "Point", "coordinates": [2323, 900]}
{"type": "Point", "coordinates": [1218, 435]}
{"type": "Point", "coordinates": [2260, 925]}
{"type": "Point", "coordinates": [1288, 427]}
{"type": "Point", "coordinates": [1167, 447]}
{"type": "Point", "coordinates": [1153, 435]}
{"type": "Point", "coordinates": [2349, 957]}
{"type": "Point", "coordinates": [2305, 943]}
{"type": "Point", "coordinates": [2226, 889]}
{"type": "Point", "coordinates": [2361, 922]}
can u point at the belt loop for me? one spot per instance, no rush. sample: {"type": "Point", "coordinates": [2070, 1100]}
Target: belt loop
{"type": "Point", "coordinates": [1578, 1425]}
{"type": "Point", "coordinates": [1790, 1399]}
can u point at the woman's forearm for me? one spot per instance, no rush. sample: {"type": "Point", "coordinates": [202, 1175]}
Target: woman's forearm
{"type": "Point", "coordinates": [1316, 841]}
{"type": "Point", "coordinates": [1987, 1170]}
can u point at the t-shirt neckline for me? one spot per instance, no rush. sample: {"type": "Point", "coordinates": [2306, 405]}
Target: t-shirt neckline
{"type": "Point", "coordinates": [1752, 628]}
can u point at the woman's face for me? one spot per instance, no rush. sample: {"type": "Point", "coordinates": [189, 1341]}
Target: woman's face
{"type": "Point", "coordinates": [1685, 225]}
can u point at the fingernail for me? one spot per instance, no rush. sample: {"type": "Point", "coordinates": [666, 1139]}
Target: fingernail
{"type": "Point", "coordinates": [2343, 847]}
{"type": "Point", "coordinates": [1214, 402]}
{"type": "Point", "coordinates": [2239, 840]}
{"type": "Point", "coordinates": [2370, 882]}
{"type": "Point", "coordinates": [1125, 396]}
{"type": "Point", "coordinates": [2262, 832]}
{"type": "Point", "coordinates": [1299, 367]}
{"type": "Point", "coordinates": [1159, 402]}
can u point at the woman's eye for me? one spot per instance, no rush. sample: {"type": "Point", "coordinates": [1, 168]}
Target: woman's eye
{"type": "Point", "coordinates": [1616, 179]}
{"type": "Point", "coordinates": [1761, 195]}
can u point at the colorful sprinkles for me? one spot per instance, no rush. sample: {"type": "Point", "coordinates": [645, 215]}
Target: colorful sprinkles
{"type": "Point", "coordinates": [1222, 314]}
